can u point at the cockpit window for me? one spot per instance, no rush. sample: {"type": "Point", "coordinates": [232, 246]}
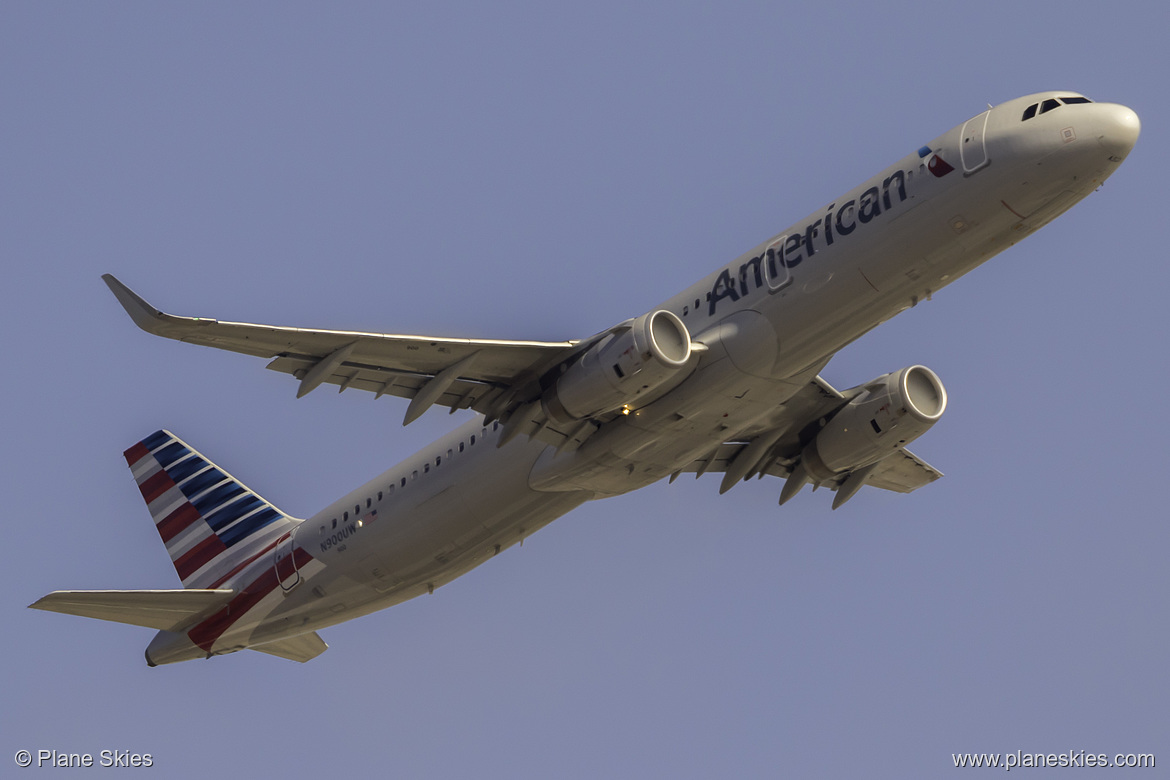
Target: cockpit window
{"type": "Point", "coordinates": [1050, 104]}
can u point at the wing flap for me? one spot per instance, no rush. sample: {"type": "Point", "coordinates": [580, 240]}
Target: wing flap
{"type": "Point", "coordinates": [301, 648]}
{"type": "Point", "coordinates": [381, 380]}
{"type": "Point", "coordinates": [903, 472]}
{"type": "Point", "coordinates": [166, 610]}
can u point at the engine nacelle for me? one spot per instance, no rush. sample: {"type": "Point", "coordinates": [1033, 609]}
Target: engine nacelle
{"type": "Point", "coordinates": [892, 411]}
{"type": "Point", "coordinates": [630, 361]}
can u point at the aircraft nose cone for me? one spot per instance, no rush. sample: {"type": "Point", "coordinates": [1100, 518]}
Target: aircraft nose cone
{"type": "Point", "coordinates": [1119, 131]}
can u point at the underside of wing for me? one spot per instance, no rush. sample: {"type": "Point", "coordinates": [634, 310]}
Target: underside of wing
{"type": "Point", "coordinates": [479, 374]}
{"type": "Point", "coordinates": [779, 445]}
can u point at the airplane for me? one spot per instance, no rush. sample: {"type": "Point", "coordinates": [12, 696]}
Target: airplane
{"type": "Point", "coordinates": [722, 378]}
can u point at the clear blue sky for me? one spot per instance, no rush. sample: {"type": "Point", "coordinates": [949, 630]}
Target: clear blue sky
{"type": "Point", "coordinates": [529, 171]}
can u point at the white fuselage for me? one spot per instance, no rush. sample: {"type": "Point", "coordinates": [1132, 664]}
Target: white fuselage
{"type": "Point", "coordinates": [770, 321]}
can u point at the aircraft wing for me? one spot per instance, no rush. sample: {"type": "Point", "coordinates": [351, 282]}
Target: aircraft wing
{"type": "Point", "coordinates": [773, 448]}
{"type": "Point", "coordinates": [480, 374]}
{"type": "Point", "coordinates": [167, 610]}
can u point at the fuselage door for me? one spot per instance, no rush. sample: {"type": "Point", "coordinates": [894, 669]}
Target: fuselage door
{"type": "Point", "coordinates": [285, 563]}
{"type": "Point", "coordinates": [973, 148]}
{"type": "Point", "coordinates": [774, 267]}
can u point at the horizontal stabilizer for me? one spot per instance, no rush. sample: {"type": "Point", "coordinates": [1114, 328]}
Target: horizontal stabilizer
{"type": "Point", "coordinates": [166, 610]}
{"type": "Point", "coordinates": [301, 648]}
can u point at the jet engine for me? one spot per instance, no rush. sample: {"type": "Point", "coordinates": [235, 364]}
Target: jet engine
{"type": "Point", "coordinates": [633, 359]}
{"type": "Point", "coordinates": [889, 413]}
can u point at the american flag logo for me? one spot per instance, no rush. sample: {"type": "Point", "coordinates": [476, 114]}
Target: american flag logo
{"type": "Point", "coordinates": [936, 165]}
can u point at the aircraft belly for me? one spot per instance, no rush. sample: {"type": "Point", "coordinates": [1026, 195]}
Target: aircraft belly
{"type": "Point", "coordinates": [714, 405]}
{"type": "Point", "coordinates": [420, 549]}
{"type": "Point", "coordinates": [749, 341]}
{"type": "Point", "coordinates": [487, 507]}
{"type": "Point", "coordinates": [381, 587]}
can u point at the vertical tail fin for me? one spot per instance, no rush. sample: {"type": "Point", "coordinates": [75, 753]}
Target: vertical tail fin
{"type": "Point", "coordinates": [212, 525]}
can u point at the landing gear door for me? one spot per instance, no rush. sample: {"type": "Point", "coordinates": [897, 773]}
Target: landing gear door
{"type": "Point", "coordinates": [285, 563]}
{"type": "Point", "coordinates": [774, 267]}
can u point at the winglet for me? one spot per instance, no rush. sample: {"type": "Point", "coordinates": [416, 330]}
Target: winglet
{"type": "Point", "coordinates": [145, 316]}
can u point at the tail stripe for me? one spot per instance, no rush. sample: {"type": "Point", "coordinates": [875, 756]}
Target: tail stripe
{"type": "Point", "coordinates": [176, 522]}
{"type": "Point", "coordinates": [157, 439]}
{"type": "Point", "coordinates": [155, 485]}
{"type": "Point", "coordinates": [239, 567]}
{"type": "Point", "coordinates": [166, 503]}
{"type": "Point", "coordinates": [216, 496]}
{"type": "Point", "coordinates": [201, 512]}
{"type": "Point", "coordinates": [249, 525]}
{"type": "Point", "coordinates": [168, 455]}
{"type": "Point", "coordinates": [201, 481]}
{"type": "Point", "coordinates": [234, 511]}
{"type": "Point", "coordinates": [246, 520]}
{"type": "Point", "coordinates": [206, 633]}
{"type": "Point", "coordinates": [180, 470]}
{"type": "Point", "coordinates": [136, 453]}
{"type": "Point", "coordinates": [193, 535]}
{"type": "Point", "coordinates": [198, 556]}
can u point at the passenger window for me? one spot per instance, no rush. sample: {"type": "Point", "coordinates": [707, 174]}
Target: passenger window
{"type": "Point", "coordinates": [414, 475]}
{"type": "Point", "coordinates": [426, 468]}
{"type": "Point", "coordinates": [321, 532]}
{"type": "Point", "coordinates": [438, 460]}
{"type": "Point", "coordinates": [1048, 105]}
{"type": "Point", "coordinates": [368, 502]}
{"type": "Point", "coordinates": [379, 495]}
{"type": "Point", "coordinates": [1030, 112]}
{"type": "Point", "coordinates": [461, 446]}
{"type": "Point", "coordinates": [449, 454]}
{"type": "Point", "coordinates": [357, 510]}
{"type": "Point", "coordinates": [686, 310]}
{"type": "Point", "coordinates": [404, 479]}
{"type": "Point", "coordinates": [344, 517]}
{"type": "Point", "coordinates": [473, 438]}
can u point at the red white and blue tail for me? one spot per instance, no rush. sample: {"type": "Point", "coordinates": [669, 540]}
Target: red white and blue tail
{"type": "Point", "coordinates": [212, 525]}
